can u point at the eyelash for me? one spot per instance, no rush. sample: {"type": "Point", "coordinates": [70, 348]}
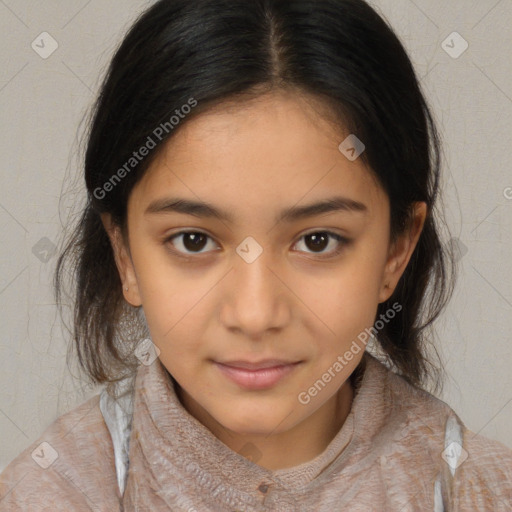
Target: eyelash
{"type": "Point", "coordinates": [340, 239]}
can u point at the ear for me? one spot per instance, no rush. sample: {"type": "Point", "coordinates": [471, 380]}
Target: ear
{"type": "Point", "coordinates": [401, 250]}
{"type": "Point", "coordinates": [123, 261]}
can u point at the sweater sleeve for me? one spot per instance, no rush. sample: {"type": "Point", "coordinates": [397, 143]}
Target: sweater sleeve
{"type": "Point", "coordinates": [70, 467]}
{"type": "Point", "coordinates": [483, 480]}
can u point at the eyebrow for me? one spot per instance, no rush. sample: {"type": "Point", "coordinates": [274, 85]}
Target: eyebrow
{"type": "Point", "coordinates": [293, 213]}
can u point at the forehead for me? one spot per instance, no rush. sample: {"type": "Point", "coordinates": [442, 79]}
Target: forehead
{"type": "Point", "coordinates": [278, 149]}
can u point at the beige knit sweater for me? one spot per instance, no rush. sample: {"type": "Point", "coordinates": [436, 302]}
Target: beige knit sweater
{"type": "Point", "coordinates": [400, 449]}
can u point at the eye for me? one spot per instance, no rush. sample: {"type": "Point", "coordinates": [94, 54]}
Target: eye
{"type": "Point", "coordinates": [318, 241]}
{"type": "Point", "coordinates": [193, 241]}
{"type": "Point", "coordinates": [196, 242]}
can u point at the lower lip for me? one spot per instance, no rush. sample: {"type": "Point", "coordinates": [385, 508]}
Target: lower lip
{"type": "Point", "coordinates": [256, 379]}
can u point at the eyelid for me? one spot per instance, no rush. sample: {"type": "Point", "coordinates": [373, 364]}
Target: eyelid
{"type": "Point", "coordinates": [168, 239]}
{"type": "Point", "coordinates": [342, 241]}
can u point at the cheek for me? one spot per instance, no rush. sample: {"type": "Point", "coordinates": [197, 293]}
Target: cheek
{"type": "Point", "coordinates": [347, 295]}
{"type": "Point", "coordinates": [173, 302]}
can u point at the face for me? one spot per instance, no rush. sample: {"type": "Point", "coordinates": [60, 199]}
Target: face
{"type": "Point", "coordinates": [259, 275]}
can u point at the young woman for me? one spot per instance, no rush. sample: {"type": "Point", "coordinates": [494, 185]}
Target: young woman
{"type": "Point", "coordinates": [261, 179]}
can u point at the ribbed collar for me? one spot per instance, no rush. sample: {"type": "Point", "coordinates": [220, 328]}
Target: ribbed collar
{"type": "Point", "coordinates": [168, 446]}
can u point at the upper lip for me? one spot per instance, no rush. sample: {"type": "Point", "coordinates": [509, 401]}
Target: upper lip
{"type": "Point", "coordinates": [257, 365]}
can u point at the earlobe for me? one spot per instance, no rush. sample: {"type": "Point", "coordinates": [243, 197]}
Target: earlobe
{"type": "Point", "coordinates": [401, 251]}
{"type": "Point", "coordinates": [123, 261]}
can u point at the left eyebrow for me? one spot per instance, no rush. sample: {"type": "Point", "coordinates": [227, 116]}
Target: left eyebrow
{"type": "Point", "coordinates": [293, 213]}
{"type": "Point", "coordinates": [332, 205]}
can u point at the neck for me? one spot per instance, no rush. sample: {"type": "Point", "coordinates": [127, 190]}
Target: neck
{"type": "Point", "coordinates": [284, 449]}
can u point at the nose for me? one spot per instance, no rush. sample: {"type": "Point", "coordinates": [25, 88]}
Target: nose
{"type": "Point", "coordinates": [255, 300]}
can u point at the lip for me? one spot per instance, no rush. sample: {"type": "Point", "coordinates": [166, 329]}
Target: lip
{"type": "Point", "coordinates": [256, 375]}
{"type": "Point", "coordinates": [257, 365]}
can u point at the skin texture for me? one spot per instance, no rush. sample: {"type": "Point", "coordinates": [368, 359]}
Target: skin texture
{"type": "Point", "coordinates": [296, 301]}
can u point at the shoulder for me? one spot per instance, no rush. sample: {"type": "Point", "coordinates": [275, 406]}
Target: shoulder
{"type": "Point", "coordinates": [69, 467]}
{"type": "Point", "coordinates": [470, 471]}
{"type": "Point", "coordinates": [483, 475]}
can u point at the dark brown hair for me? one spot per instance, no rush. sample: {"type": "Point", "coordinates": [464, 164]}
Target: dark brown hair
{"type": "Point", "coordinates": [213, 51]}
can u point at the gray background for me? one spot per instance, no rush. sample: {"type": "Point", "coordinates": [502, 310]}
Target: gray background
{"type": "Point", "coordinates": [43, 101]}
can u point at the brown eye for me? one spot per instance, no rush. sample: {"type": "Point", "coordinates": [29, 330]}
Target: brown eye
{"type": "Point", "coordinates": [318, 241]}
{"type": "Point", "coordinates": [194, 241]}
{"type": "Point", "coordinates": [189, 242]}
